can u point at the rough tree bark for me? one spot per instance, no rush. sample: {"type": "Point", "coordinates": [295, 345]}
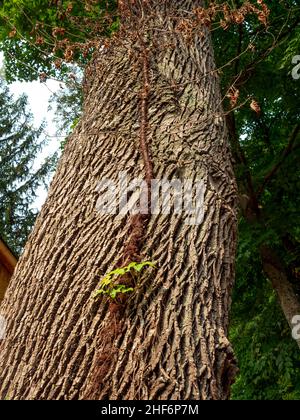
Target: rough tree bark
{"type": "Point", "coordinates": [173, 342]}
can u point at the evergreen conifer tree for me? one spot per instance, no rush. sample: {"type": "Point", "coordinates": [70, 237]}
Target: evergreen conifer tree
{"type": "Point", "coordinates": [20, 144]}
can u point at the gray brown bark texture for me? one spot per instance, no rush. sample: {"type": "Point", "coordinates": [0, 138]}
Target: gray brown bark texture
{"type": "Point", "coordinates": [170, 341]}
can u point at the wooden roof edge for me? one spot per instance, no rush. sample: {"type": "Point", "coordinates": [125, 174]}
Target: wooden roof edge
{"type": "Point", "coordinates": [7, 256]}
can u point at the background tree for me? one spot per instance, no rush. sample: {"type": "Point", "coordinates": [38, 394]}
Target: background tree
{"type": "Point", "coordinates": [20, 144]}
{"type": "Point", "coordinates": [266, 151]}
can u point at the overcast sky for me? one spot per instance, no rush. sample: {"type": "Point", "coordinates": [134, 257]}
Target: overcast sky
{"type": "Point", "coordinates": [38, 99]}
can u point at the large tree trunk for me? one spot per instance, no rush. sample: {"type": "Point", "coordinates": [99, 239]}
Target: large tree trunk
{"type": "Point", "coordinates": [171, 342]}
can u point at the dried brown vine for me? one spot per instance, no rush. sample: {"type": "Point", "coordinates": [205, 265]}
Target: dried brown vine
{"type": "Point", "coordinates": [132, 250]}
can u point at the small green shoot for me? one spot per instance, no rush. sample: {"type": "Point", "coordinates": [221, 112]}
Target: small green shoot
{"type": "Point", "coordinates": [109, 286]}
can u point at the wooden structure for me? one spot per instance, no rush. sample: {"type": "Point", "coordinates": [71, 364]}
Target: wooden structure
{"type": "Point", "coordinates": [8, 262]}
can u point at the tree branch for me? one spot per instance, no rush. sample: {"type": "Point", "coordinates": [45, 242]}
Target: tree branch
{"type": "Point", "coordinates": [252, 206]}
